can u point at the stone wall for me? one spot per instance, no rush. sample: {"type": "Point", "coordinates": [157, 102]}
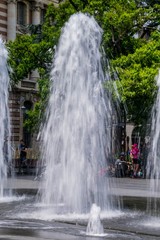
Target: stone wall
{"type": "Point", "coordinates": [3, 18]}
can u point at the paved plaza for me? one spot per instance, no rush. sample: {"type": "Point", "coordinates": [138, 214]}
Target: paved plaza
{"type": "Point", "coordinates": [28, 224]}
{"type": "Point", "coordinates": [119, 186]}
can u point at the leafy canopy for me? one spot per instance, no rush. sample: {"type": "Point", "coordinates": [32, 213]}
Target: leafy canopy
{"type": "Point", "coordinates": [130, 39]}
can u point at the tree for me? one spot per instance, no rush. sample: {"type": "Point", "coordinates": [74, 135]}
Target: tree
{"type": "Point", "coordinates": [127, 26]}
{"type": "Point", "coordinates": [137, 83]}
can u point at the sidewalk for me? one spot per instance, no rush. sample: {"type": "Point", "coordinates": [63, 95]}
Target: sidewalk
{"type": "Point", "coordinates": [119, 186]}
{"type": "Point", "coordinates": [21, 182]}
{"type": "Point", "coordinates": [133, 187]}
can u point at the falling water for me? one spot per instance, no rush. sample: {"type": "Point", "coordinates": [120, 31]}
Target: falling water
{"type": "Point", "coordinates": [153, 165]}
{"type": "Point", "coordinates": [5, 155]}
{"type": "Point", "coordinates": [76, 136]}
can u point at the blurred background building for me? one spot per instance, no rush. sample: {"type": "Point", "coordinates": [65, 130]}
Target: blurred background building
{"type": "Point", "coordinates": [15, 15]}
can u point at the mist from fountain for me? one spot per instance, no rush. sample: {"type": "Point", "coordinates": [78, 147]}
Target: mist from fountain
{"type": "Point", "coordinates": [5, 152]}
{"type": "Point", "coordinates": [76, 136]}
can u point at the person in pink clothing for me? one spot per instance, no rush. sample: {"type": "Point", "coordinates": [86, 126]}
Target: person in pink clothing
{"type": "Point", "coordinates": [134, 154]}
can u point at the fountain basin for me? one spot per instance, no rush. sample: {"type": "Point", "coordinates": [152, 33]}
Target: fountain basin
{"type": "Point", "coordinates": [18, 218]}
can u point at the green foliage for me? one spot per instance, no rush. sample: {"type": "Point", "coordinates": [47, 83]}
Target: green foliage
{"type": "Point", "coordinates": [136, 59]}
{"type": "Point", "coordinates": [21, 57]}
{"type": "Point", "coordinates": [121, 23]}
{"type": "Point", "coordinates": [36, 115]}
{"type": "Point", "coordinates": [137, 73]}
{"type": "Point", "coordinates": [33, 118]}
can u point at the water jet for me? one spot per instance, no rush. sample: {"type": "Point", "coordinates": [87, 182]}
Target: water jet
{"type": "Point", "coordinates": [5, 150]}
{"type": "Point", "coordinates": [95, 226]}
{"type": "Point", "coordinates": [153, 163]}
{"type": "Point", "coordinates": [76, 137]}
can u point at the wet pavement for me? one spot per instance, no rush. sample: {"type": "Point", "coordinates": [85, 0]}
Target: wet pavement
{"type": "Point", "coordinates": [120, 186]}
{"type": "Point", "coordinates": [23, 219]}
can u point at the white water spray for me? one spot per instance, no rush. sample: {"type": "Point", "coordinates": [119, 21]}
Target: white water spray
{"type": "Point", "coordinates": [95, 226]}
{"type": "Point", "coordinates": [153, 163]}
{"type": "Point", "coordinates": [5, 154]}
{"type": "Point", "coordinates": [77, 134]}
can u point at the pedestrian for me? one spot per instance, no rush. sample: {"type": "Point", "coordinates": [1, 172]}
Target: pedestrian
{"type": "Point", "coordinates": [23, 154]}
{"type": "Point", "coordinates": [134, 154]}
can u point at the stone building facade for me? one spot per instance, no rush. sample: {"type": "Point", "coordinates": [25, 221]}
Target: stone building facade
{"type": "Point", "coordinates": [14, 16]}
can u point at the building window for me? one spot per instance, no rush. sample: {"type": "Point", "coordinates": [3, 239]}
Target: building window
{"type": "Point", "coordinates": [21, 13]}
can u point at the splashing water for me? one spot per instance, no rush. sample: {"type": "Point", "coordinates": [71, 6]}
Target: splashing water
{"type": "Point", "coordinates": [76, 136]}
{"type": "Point", "coordinates": [5, 155]}
{"type": "Point", "coordinates": [95, 226]}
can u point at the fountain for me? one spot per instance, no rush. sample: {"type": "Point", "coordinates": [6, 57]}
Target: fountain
{"type": "Point", "coordinates": [95, 226]}
{"type": "Point", "coordinates": [77, 133]}
{"type": "Point", "coordinates": [76, 146]}
{"type": "Point", "coordinates": [5, 152]}
{"type": "Point", "coordinates": [153, 165]}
